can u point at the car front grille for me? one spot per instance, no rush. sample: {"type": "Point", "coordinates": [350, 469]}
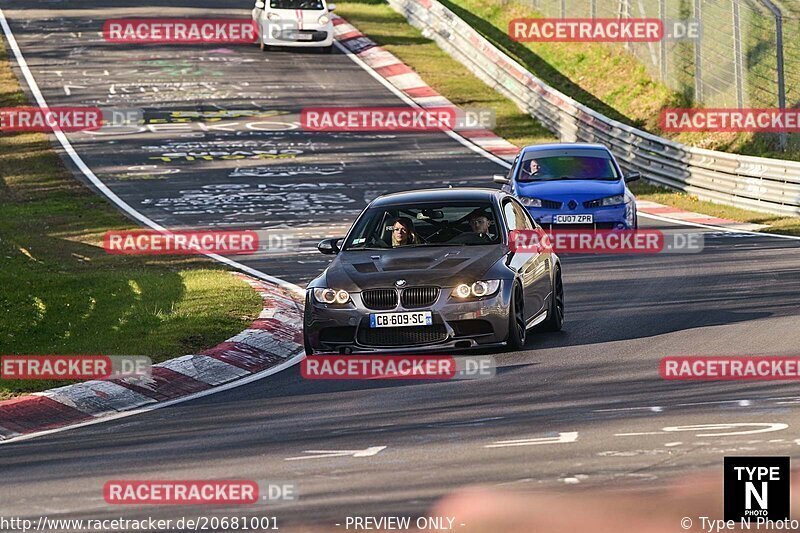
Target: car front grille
{"type": "Point", "coordinates": [471, 328]}
{"type": "Point", "coordinates": [419, 296]}
{"type": "Point", "coordinates": [338, 335]}
{"type": "Point", "coordinates": [293, 35]}
{"type": "Point", "coordinates": [550, 204]}
{"type": "Point", "coordinates": [405, 336]}
{"type": "Point", "coordinates": [380, 299]}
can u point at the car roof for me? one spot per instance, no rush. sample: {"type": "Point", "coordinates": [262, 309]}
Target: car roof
{"type": "Point", "coordinates": [565, 148]}
{"type": "Point", "coordinates": [456, 194]}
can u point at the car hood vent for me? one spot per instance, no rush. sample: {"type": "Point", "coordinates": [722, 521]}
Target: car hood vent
{"type": "Point", "coordinates": [365, 268]}
{"type": "Point", "coordinates": [449, 263]}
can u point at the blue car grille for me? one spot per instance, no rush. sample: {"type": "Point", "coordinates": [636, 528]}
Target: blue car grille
{"type": "Point", "coordinates": [593, 203]}
{"type": "Point", "coordinates": [550, 204]}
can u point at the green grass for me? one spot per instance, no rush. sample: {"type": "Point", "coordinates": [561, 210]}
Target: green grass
{"type": "Point", "coordinates": [449, 77]}
{"type": "Point", "coordinates": [60, 293]}
{"type": "Point", "coordinates": [606, 78]}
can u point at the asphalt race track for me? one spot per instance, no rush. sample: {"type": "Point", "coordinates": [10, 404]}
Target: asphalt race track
{"type": "Point", "coordinates": [221, 148]}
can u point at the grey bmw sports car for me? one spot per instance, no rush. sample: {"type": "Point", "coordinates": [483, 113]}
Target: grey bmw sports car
{"type": "Point", "coordinates": [432, 270]}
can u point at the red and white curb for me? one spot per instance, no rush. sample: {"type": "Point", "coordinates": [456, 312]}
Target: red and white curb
{"type": "Point", "coordinates": [274, 338]}
{"type": "Point", "coordinates": [410, 84]}
{"type": "Point", "coordinates": [407, 82]}
{"type": "Point", "coordinates": [680, 215]}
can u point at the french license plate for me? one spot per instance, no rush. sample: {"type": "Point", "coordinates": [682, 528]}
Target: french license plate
{"type": "Point", "coordinates": [396, 320]}
{"type": "Point", "coordinates": [303, 36]}
{"type": "Point", "coordinates": [573, 219]}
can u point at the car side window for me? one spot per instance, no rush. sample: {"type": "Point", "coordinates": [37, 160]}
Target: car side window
{"type": "Point", "coordinates": [524, 219]}
{"type": "Point", "coordinates": [510, 215]}
{"type": "Point", "coordinates": [517, 217]}
{"type": "Point", "coordinates": [510, 175]}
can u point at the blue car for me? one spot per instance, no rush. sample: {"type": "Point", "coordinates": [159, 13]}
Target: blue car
{"type": "Point", "coordinates": [572, 186]}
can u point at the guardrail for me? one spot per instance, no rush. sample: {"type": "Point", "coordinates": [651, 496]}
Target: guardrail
{"type": "Point", "coordinates": [756, 183]}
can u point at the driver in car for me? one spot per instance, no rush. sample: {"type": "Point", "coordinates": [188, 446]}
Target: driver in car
{"type": "Point", "coordinates": [479, 225]}
{"type": "Point", "coordinates": [530, 169]}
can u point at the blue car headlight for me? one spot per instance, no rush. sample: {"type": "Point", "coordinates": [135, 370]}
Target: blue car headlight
{"type": "Point", "coordinates": [630, 212]}
{"type": "Point", "coordinates": [530, 202]}
{"type": "Point", "coordinates": [619, 199]}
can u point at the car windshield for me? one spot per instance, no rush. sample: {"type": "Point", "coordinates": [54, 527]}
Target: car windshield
{"type": "Point", "coordinates": [566, 167]}
{"type": "Point", "coordinates": [315, 5]}
{"type": "Point", "coordinates": [435, 224]}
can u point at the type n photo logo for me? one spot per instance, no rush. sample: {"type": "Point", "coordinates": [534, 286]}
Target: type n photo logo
{"type": "Point", "coordinates": [756, 487]}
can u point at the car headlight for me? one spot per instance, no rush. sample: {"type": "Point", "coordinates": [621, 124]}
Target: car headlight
{"type": "Point", "coordinates": [273, 16]}
{"type": "Point", "coordinates": [324, 19]}
{"type": "Point", "coordinates": [613, 200]}
{"type": "Point", "coordinates": [530, 202]}
{"type": "Point", "coordinates": [331, 296]}
{"type": "Point", "coordinates": [476, 290]}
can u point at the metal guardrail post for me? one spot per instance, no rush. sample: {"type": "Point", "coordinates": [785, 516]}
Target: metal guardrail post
{"type": "Point", "coordinates": [737, 54]}
{"type": "Point", "coordinates": [662, 45]}
{"type": "Point", "coordinates": [782, 137]}
{"type": "Point", "coordinates": [698, 57]}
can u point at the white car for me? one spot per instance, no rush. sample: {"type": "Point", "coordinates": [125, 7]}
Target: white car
{"type": "Point", "coordinates": [304, 23]}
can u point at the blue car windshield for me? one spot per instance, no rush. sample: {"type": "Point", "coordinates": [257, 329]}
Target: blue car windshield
{"type": "Point", "coordinates": [566, 168]}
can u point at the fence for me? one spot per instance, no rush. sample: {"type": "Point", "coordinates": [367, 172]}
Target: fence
{"type": "Point", "coordinates": [748, 54]}
{"type": "Point", "coordinates": [768, 185]}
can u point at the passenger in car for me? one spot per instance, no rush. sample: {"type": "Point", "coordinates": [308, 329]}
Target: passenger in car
{"type": "Point", "coordinates": [403, 232]}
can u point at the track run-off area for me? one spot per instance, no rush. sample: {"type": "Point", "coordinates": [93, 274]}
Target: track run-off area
{"type": "Point", "coordinates": [221, 148]}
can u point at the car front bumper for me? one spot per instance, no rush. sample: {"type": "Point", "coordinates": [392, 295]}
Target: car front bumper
{"type": "Point", "coordinates": [604, 218]}
{"type": "Point", "coordinates": [315, 36]}
{"type": "Point", "coordinates": [456, 325]}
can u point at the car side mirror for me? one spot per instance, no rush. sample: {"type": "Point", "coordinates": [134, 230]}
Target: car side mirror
{"type": "Point", "coordinates": [329, 246]}
{"type": "Point", "coordinates": [331, 7]}
{"type": "Point", "coordinates": [633, 176]}
{"type": "Point", "coordinates": [502, 180]}
{"type": "Point", "coordinates": [261, 5]}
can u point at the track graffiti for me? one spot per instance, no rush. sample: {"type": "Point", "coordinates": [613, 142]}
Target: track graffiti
{"type": "Point", "coordinates": [246, 202]}
{"type": "Point", "coordinates": [285, 171]}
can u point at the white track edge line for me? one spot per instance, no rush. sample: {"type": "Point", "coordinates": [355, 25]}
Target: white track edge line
{"type": "Point", "coordinates": [78, 161]}
{"type": "Point", "coordinates": [158, 405]}
{"type": "Point", "coordinates": [410, 101]}
{"type": "Point", "coordinates": [102, 187]}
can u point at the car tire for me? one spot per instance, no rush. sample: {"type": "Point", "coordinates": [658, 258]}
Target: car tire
{"type": "Point", "coordinates": [517, 331]}
{"type": "Point", "coordinates": [555, 311]}
{"type": "Point", "coordinates": [327, 49]}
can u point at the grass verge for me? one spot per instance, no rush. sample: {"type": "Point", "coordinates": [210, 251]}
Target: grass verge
{"type": "Point", "coordinates": [60, 293]}
{"type": "Point", "coordinates": [606, 78]}
{"type": "Point", "coordinates": [454, 81]}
